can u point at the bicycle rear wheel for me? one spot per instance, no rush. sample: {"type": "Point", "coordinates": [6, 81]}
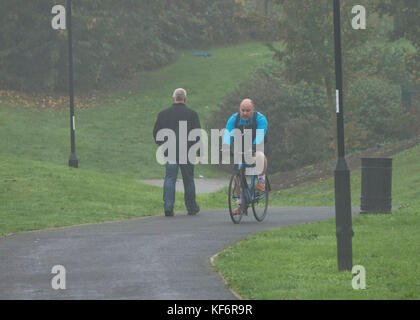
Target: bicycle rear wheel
{"type": "Point", "coordinates": [234, 184]}
{"type": "Point", "coordinates": [260, 203]}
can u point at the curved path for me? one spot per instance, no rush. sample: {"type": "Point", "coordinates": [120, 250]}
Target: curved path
{"type": "Point", "coordinates": [149, 258]}
{"type": "Point", "coordinates": [201, 185]}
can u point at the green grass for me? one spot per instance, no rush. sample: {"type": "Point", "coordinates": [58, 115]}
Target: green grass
{"type": "Point", "coordinates": [405, 183]}
{"type": "Point", "coordinates": [40, 195]}
{"type": "Point", "coordinates": [114, 146]}
{"type": "Point", "coordinates": [116, 137]}
{"type": "Point", "coordinates": [300, 262]}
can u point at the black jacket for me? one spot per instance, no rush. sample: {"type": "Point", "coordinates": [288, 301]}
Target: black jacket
{"type": "Point", "coordinates": [170, 118]}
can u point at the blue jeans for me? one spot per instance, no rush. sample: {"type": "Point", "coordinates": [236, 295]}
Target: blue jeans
{"type": "Point", "coordinates": [187, 171]}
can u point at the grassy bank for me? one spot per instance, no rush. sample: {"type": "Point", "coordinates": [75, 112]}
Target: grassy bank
{"type": "Point", "coordinates": [114, 145]}
{"type": "Point", "coordinates": [299, 262]}
{"type": "Point", "coordinates": [115, 136]}
{"type": "Point", "coordinates": [39, 195]}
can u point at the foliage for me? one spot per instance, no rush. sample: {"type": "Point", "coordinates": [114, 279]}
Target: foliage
{"type": "Point", "coordinates": [307, 32]}
{"type": "Point", "coordinates": [374, 70]}
{"type": "Point", "coordinates": [296, 115]}
{"type": "Point", "coordinates": [111, 39]}
{"type": "Point", "coordinates": [258, 25]}
{"type": "Point", "coordinates": [374, 107]}
{"type": "Point", "coordinates": [383, 59]}
{"type": "Point", "coordinates": [374, 112]}
{"type": "Point", "coordinates": [406, 15]}
{"type": "Point", "coordinates": [306, 142]}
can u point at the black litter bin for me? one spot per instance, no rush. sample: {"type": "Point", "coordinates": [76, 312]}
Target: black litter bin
{"type": "Point", "coordinates": [376, 185]}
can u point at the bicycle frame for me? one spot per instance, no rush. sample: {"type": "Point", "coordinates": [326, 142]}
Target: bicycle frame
{"type": "Point", "coordinates": [249, 196]}
{"type": "Point", "coordinates": [244, 190]}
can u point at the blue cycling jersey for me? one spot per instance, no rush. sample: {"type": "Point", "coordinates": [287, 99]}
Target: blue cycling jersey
{"type": "Point", "coordinates": [261, 124]}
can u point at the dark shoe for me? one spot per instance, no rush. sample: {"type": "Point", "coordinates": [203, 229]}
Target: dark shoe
{"type": "Point", "coordinates": [193, 213]}
{"type": "Point", "coordinates": [169, 212]}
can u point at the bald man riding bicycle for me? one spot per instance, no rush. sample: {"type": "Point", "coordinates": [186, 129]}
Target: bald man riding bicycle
{"type": "Point", "coordinates": [249, 118]}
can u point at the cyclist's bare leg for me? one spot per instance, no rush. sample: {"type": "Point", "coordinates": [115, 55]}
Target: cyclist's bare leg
{"type": "Point", "coordinates": [260, 157]}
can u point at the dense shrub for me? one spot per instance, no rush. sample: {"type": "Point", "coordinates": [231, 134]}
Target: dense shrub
{"type": "Point", "coordinates": [111, 39]}
{"type": "Point", "coordinates": [374, 107]}
{"type": "Point", "coordinates": [300, 127]}
{"type": "Point", "coordinates": [381, 59]}
{"type": "Point", "coordinates": [297, 117]}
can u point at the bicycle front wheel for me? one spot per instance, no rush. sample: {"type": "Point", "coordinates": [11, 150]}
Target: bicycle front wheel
{"type": "Point", "coordinates": [260, 203]}
{"type": "Point", "coordinates": [233, 194]}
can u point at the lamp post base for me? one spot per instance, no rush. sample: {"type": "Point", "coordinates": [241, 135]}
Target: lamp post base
{"type": "Point", "coordinates": [343, 215]}
{"type": "Point", "coordinates": [73, 162]}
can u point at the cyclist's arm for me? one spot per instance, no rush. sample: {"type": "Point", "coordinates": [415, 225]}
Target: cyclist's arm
{"type": "Point", "coordinates": [230, 125]}
{"type": "Point", "coordinates": [263, 125]}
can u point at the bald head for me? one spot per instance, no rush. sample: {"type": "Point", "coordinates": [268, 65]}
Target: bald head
{"type": "Point", "coordinates": [246, 109]}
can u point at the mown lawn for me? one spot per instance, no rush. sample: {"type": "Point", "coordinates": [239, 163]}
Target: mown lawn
{"type": "Point", "coordinates": [115, 136]}
{"type": "Point", "coordinates": [39, 195]}
{"type": "Point", "coordinates": [114, 146]}
{"type": "Point", "coordinates": [300, 262]}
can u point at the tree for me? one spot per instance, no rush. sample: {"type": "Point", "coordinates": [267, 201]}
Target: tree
{"type": "Point", "coordinates": [406, 15]}
{"type": "Point", "coordinates": [306, 30]}
{"type": "Point", "coordinates": [112, 39]}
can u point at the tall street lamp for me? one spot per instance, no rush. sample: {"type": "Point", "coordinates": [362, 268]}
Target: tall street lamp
{"type": "Point", "coordinates": [343, 218]}
{"type": "Point", "coordinates": [73, 162]}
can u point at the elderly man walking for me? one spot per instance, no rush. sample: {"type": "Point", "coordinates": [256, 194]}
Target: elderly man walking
{"type": "Point", "coordinates": [171, 119]}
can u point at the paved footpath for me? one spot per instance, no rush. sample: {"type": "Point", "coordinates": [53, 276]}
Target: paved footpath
{"type": "Point", "coordinates": [201, 185]}
{"type": "Point", "coordinates": [149, 258]}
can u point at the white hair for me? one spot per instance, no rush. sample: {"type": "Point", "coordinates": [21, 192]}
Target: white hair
{"type": "Point", "coordinates": [179, 94]}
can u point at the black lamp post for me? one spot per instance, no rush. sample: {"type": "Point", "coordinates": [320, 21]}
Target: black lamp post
{"type": "Point", "coordinates": [73, 162]}
{"type": "Point", "coordinates": [343, 218]}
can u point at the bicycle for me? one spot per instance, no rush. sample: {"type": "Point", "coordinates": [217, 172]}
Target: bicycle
{"type": "Point", "coordinates": [248, 195]}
